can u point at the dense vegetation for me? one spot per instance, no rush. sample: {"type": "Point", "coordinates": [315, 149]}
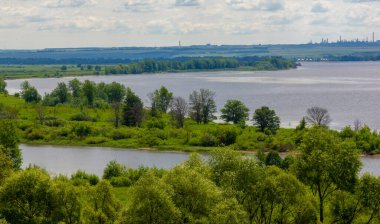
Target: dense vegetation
{"type": "Point", "coordinates": [306, 187]}
{"type": "Point", "coordinates": [13, 71]}
{"type": "Point", "coordinates": [317, 182]}
{"type": "Point", "coordinates": [85, 113]}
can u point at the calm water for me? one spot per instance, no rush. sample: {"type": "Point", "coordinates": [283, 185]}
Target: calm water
{"type": "Point", "coordinates": [67, 160]}
{"type": "Point", "coordinates": [348, 90]}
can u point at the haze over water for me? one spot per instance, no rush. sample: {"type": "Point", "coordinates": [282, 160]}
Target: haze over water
{"type": "Point", "coordinates": [348, 90]}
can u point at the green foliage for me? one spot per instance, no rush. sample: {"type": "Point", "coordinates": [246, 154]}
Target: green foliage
{"type": "Point", "coordinates": [235, 111]}
{"type": "Point", "coordinates": [320, 164]}
{"type": "Point", "coordinates": [133, 109]}
{"type": "Point", "coordinates": [161, 99]}
{"type": "Point", "coordinates": [83, 178]}
{"type": "Point", "coordinates": [152, 202]}
{"type": "Point", "coordinates": [9, 141]}
{"type": "Point", "coordinates": [26, 197]}
{"type": "Point", "coordinates": [3, 86]}
{"type": "Point", "coordinates": [228, 211]}
{"type": "Point", "coordinates": [102, 206]}
{"type": "Point", "coordinates": [113, 169]}
{"type": "Point", "coordinates": [202, 106]}
{"type": "Point", "coordinates": [266, 119]}
{"type": "Point", "coordinates": [29, 93]}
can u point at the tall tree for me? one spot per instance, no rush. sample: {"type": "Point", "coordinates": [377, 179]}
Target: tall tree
{"type": "Point", "coordinates": [88, 89]}
{"type": "Point", "coordinates": [61, 92]}
{"type": "Point", "coordinates": [75, 86]}
{"type": "Point", "coordinates": [318, 116]}
{"type": "Point", "coordinates": [265, 118]}
{"type": "Point", "coordinates": [235, 111]}
{"type": "Point", "coordinates": [202, 106]}
{"type": "Point", "coordinates": [178, 110]}
{"type": "Point", "coordinates": [9, 140]}
{"type": "Point", "coordinates": [115, 95]}
{"type": "Point", "coordinates": [321, 161]}
{"type": "Point", "coordinates": [3, 86]}
{"type": "Point", "coordinates": [29, 93]}
{"type": "Point", "coordinates": [161, 99]}
{"type": "Point", "coordinates": [133, 109]}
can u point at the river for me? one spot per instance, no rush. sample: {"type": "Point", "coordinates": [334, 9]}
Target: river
{"type": "Point", "coordinates": [67, 160]}
{"type": "Point", "coordinates": [349, 90]}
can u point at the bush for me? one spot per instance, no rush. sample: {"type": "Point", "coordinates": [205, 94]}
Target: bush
{"type": "Point", "coordinates": [156, 123]}
{"type": "Point", "coordinates": [208, 140]}
{"type": "Point", "coordinates": [35, 134]}
{"type": "Point", "coordinates": [81, 130]}
{"type": "Point", "coordinates": [113, 169]}
{"type": "Point", "coordinates": [81, 178]}
{"type": "Point", "coordinates": [82, 117]}
{"type": "Point", "coordinates": [96, 140]}
{"type": "Point", "coordinates": [121, 181]}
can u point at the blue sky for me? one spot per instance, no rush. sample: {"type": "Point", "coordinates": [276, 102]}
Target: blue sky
{"type": "Point", "coordinates": [31, 24]}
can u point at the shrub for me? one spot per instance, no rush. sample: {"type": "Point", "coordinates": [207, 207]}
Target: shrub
{"type": "Point", "coordinates": [81, 178]}
{"type": "Point", "coordinates": [96, 140]}
{"type": "Point", "coordinates": [81, 130]}
{"type": "Point", "coordinates": [208, 140]}
{"type": "Point", "coordinates": [82, 117]}
{"type": "Point", "coordinates": [113, 169]}
{"type": "Point", "coordinates": [35, 134]}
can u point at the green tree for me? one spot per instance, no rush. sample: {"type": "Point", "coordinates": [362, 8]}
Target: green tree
{"type": "Point", "coordinates": [115, 94]}
{"type": "Point", "coordinates": [67, 200]}
{"type": "Point", "coordinates": [29, 93]}
{"type": "Point", "coordinates": [9, 141]}
{"type": "Point", "coordinates": [133, 109]}
{"type": "Point", "coordinates": [6, 165]}
{"type": "Point", "coordinates": [152, 202]}
{"type": "Point", "coordinates": [88, 89]}
{"type": "Point", "coordinates": [61, 92]}
{"type": "Point", "coordinates": [228, 211]}
{"type": "Point", "coordinates": [368, 194]}
{"type": "Point", "coordinates": [26, 197]}
{"type": "Point", "coordinates": [102, 206]}
{"type": "Point", "coordinates": [3, 86]}
{"type": "Point", "coordinates": [114, 169]}
{"type": "Point", "coordinates": [194, 194]}
{"type": "Point", "coordinates": [265, 118]}
{"type": "Point", "coordinates": [161, 99]}
{"type": "Point", "coordinates": [75, 86]}
{"type": "Point", "coordinates": [235, 111]}
{"type": "Point", "coordinates": [202, 106]}
{"type": "Point", "coordinates": [321, 161]}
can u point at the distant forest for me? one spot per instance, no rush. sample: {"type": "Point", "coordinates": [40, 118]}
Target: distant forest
{"type": "Point", "coordinates": [190, 64]}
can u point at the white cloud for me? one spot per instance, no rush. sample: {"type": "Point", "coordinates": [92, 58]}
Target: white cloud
{"type": "Point", "coordinates": [264, 5]}
{"type": "Point", "coordinates": [68, 3]}
{"type": "Point", "coordinates": [159, 22]}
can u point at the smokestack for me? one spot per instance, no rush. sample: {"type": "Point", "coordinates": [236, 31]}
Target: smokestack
{"type": "Point", "coordinates": [373, 37]}
{"type": "Point", "coordinates": [340, 39]}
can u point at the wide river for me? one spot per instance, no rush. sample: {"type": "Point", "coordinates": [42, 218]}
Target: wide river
{"type": "Point", "coordinates": [67, 160]}
{"type": "Point", "coordinates": [348, 90]}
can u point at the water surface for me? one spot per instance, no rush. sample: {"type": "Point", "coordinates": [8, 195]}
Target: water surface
{"type": "Point", "coordinates": [67, 160]}
{"type": "Point", "coordinates": [348, 90]}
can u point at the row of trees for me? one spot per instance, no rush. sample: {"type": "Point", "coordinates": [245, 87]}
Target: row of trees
{"type": "Point", "coordinates": [154, 66]}
{"type": "Point", "coordinates": [320, 182]}
{"type": "Point", "coordinates": [200, 107]}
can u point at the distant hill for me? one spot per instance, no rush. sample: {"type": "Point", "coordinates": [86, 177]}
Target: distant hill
{"type": "Point", "coordinates": [326, 51]}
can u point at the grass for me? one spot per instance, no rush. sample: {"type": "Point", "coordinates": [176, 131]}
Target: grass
{"type": "Point", "coordinates": [58, 128]}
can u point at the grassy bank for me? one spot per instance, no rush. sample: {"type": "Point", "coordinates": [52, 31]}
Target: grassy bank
{"type": "Point", "coordinates": [61, 126]}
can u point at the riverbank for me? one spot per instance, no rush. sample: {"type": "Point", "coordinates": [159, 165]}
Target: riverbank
{"type": "Point", "coordinates": [148, 67]}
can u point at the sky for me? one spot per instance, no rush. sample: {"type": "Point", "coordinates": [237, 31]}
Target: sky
{"type": "Point", "coordinates": [36, 24]}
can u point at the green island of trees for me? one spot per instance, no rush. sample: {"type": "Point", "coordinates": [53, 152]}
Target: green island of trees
{"type": "Point", "coordinates": [188, 64]}
{"type": "Point", "coordinates": [317, 182]}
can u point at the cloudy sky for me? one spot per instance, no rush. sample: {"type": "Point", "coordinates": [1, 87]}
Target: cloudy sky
{"type": "Point", "coordinates": [30, 24]}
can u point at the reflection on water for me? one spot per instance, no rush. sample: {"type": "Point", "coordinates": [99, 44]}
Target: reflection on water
{"type": "Point", "coordinates": [67, 160]}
